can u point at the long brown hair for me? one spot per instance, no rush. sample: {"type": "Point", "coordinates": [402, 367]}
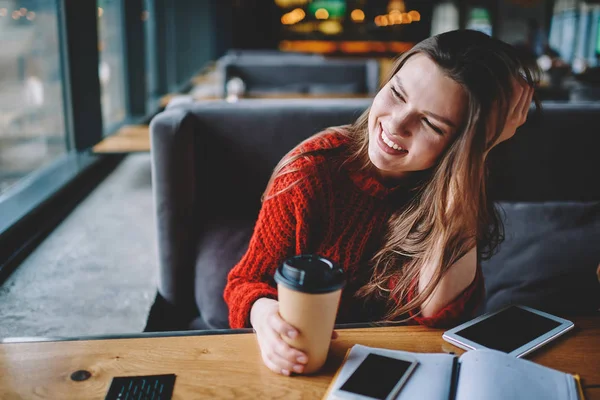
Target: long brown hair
{"type": "Point", "coordinates": [485, 67]}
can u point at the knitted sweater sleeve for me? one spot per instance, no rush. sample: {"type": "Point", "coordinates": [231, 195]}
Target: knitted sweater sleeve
{"type": "Point", "coordinates": [278, 234]}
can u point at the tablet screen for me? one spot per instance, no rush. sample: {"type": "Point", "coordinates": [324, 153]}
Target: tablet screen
{"type": "Point", "coordinates": [509, 329]}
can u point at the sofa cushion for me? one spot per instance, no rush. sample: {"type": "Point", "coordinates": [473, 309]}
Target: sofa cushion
{"type": "Point", "coordinates": [220, 248]}
{"type": "Point", "coordinates": [548, 259]}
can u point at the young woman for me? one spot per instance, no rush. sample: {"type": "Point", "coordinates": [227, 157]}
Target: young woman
{"type": "Point", "coordinates": [398, 199]}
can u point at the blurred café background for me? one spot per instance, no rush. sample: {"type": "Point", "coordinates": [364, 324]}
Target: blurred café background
{"type": "Point", "coordinates": [80, 81]}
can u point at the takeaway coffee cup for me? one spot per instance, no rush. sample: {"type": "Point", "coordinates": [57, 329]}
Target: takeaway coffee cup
{"type": "Point", "coordinates": [309, 289]}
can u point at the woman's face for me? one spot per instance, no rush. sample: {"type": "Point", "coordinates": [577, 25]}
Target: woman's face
{"type": "Point", "coordinates": [414, 118]}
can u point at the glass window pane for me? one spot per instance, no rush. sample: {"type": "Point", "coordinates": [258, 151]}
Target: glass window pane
{"type": "Point", "coordinates": [32, 126]}
{"type": "Point", "coordinates": [111, 68]}
{"type": "Point", "coordinates": [149, 17]}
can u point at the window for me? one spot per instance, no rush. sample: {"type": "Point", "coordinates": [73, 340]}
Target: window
{"type": "Point", "coordinates": [563, 32]}
{"type": "Point", "coordinates": [444, 18]}
{"type": "Point", "coordinates": [32, 124]}
{"type": "Point", "coordinates": [479, 20]}
{"type": "Point", "coordinates": [111, 69]}
{"type": "Point", "coordinates": [596, 39]}
{"type": "Point", "coordinates": [154, 27]}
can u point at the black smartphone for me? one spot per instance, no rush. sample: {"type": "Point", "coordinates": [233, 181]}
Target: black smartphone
{"type": "Point", "coordinates": [377, 378]}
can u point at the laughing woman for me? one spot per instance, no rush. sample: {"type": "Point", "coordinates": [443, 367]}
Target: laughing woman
{"type": "Point", "coordinates": [398, 199]}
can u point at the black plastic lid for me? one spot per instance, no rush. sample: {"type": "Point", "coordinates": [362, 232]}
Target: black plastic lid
{"type": "Point", "coordinates": [310, 274]}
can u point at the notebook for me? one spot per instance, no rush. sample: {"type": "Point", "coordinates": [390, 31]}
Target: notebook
{"type": "Point", "coordinates": [476, 375]}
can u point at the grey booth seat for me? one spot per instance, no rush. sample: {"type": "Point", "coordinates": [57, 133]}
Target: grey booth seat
{"type": "Point", "coordinates": [262, 54]}
{"type": "Point", "coordinates": [302, 74]}
{"type": "Point", "coordinates": [211, 162]}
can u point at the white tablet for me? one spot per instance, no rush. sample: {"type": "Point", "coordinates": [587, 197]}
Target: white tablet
{"type": "Point", "coordinates": [516, 330]}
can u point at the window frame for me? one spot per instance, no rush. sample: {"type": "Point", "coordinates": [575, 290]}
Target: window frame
{"type": "Point", "coordinates": [32, 208]}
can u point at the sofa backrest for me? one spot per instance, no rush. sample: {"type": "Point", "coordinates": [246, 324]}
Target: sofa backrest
{"type": "Point", "coordinates": [551, 158]}
{"type": "Point", "coordinates": [248, 147]}
{"type": "Point", "coordinates": [303, 74]}
{"type": "Point", "coordinates": [262, 54]}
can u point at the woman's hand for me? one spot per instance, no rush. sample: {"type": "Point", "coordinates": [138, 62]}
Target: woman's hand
{"type": "Point", "coordinates": [518, 108]}
{"type": "Point", "coordinates": [277, 355]}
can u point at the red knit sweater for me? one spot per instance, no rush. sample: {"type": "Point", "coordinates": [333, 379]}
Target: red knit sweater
{"type": "Point", "coordinates": [338, 213]}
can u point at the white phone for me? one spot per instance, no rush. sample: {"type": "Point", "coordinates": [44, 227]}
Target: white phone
{"type": "Point", "coordinates": [377, 377]}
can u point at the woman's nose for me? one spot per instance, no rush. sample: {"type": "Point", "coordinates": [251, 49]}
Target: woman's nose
{"type": "Point", "coordinates": [401, 124]}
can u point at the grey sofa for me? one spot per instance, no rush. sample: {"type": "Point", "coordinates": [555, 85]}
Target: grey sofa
{"type": "Point", "coordinates": [270, 74]}
{"type": "Point", "coordinates": [211, 162]}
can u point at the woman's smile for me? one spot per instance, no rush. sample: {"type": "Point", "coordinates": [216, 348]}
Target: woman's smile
{"type": "Point", "coordinates": [388, 145]}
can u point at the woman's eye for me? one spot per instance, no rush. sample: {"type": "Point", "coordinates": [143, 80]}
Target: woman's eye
{"type": "Point", "coordinates": [433, 127]}
{"type": "Point", "coordinates": [397, 94]}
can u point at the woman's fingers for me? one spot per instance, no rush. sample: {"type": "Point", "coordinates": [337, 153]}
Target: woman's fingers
{"type": "Point", "coordinates": [281, 362]}
{"type": "Point", "coordinates": [284, 350]}
{"type": "Point", "coordinates": [519, 94]}
{"type": "Point", "coordinates": [274, 367]}
{"type": "Point", "coordinates": [282, 327]}
{"type": "Point", "coordinates": [270, 352]}
{"type": "Point", "coordinates": [524, 103]}
{"type": "Point", "coordinates": [286, 364]}
{"type": "Point", "coordinates": [529, 100]}
{"type": "Point", "coordinates": [282, 355]}
{"type": "Point", "coordinates": [522, 96]}
{"type": "Point", "coordinates": [270, 329]}
{"type": "Point", "coordinates": [518, 109]}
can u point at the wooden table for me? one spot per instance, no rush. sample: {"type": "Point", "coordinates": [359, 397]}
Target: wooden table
{"type": "Point", "coordinates": [229, 366]}
{"type": "Point", "coordinates": [128, 139]}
